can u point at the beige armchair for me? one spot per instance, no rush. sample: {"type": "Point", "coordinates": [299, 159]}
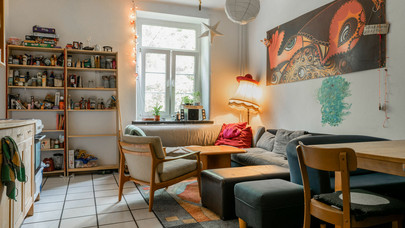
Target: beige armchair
{"type": "Point", "coordinates": [148, 164]}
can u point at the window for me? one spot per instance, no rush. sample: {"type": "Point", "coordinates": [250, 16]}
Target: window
{"type": "Point", "coordinates": [170, 65]}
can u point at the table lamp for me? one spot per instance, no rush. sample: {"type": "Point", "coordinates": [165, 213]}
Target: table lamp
{"type": "Point", "coordinates": [247, 95]}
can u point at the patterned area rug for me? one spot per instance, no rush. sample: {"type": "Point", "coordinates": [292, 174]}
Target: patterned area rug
{"type": "Point", "coordinates": [180, 206]}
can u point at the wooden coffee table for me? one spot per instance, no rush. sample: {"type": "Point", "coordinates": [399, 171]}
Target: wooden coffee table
{"type": "Point", "coordinates": [214, 157]}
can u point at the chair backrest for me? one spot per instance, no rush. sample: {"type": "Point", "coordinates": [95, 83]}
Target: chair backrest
{"type": "Point", "coordinates": [327, 159]}
{"type": "Point", "coordinates": [139, 153]}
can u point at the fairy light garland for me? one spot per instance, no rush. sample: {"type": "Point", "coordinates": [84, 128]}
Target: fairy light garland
{"type": "Point", "coordinates": [132, 22]}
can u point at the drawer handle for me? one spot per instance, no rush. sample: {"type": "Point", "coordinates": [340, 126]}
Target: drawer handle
{"type": "Point", "coordinates": [29, 131]}
{"type": "Point", "coordinates": [19, 135]}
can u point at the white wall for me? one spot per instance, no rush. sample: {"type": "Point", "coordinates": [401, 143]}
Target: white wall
{"type": "Point", "coordinates": [295, 106]}
{"type": "Point", "coordinates": [3, 68]}
{"type": "Point", "coordinates": [107, 23]}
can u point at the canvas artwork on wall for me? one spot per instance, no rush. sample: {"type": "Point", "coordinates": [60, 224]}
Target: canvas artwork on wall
{"type": "Point", "coordinates": [326, 41]}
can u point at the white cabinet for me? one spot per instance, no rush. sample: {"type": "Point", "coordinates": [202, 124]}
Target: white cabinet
{"type": "Point", "coordinates": [12, 213]}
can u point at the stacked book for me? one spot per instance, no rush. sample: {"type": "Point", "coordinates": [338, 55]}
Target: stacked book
{"type": "Point", "coordinates": [42, 37]}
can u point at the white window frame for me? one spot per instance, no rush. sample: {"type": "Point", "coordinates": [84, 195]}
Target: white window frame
{"type": "Point", "coordinates": [170, 65]}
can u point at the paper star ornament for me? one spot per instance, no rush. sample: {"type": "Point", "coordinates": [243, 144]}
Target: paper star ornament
{"type": "Point", "coordinates": [211, 32]}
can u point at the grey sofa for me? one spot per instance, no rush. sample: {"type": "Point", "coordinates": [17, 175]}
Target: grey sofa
{"type": "Point", "coordinates": [175, 136]}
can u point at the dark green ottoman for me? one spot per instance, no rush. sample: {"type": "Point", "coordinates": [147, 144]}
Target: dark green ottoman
{"type": "Point", "coordinates": [270, 203]}
{"type": "Point", "coordinates": [217, 185]}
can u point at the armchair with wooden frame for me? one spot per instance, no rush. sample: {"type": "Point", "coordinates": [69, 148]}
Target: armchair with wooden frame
{"type": "Point", "coordinates": [148, 165]}
{"type": "Point", "coordinates": [346, 208]}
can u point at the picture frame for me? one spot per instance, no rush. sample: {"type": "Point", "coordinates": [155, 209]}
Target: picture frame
{"type": "Point", "coordinates": [76, 45]}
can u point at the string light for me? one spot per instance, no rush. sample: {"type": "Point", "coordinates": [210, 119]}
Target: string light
{"type": "Point", "coordinates": [132, 23]}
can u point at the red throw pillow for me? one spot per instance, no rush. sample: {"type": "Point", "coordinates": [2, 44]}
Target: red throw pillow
{"type": "Point", "coordinates": [235, 134]}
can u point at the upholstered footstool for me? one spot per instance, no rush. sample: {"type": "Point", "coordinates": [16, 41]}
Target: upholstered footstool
{"type": "Point", "coordinates": [269, 203]}
{"type": "Point", "coordinates": [217, 185]}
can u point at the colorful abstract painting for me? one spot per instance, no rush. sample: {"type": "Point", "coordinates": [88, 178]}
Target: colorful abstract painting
{"type": "Point", "coordinates": [331, 96]}
{"type": "Point", "coordinates": [325, 42]}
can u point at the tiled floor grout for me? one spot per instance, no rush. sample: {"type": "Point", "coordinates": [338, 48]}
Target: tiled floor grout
{"type": "Point", "coordinates": [56, 187]}
{"type": "Point", "coordinates": [94, 197]}
{"type": "Point", "coordinates": [63, 207]}
{"type": "Point", "coordinates": [123, 197]}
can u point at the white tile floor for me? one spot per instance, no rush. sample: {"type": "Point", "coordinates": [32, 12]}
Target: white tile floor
{"type": "Point", "coordinates": [90, 201]}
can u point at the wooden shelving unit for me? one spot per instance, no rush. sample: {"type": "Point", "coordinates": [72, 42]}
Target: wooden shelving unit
{"type": "Point", "coordinates": [55, 172]}
{"type": "Point", "coordinates": [98, 89]}
{"type": "Point", "coordinates": [50, 130]}
{"type": "Point", "coordinates": [36, 67]}
{"type": "Point", "coordinates": [107, 159]}
{"type": "Point", "coordinates": [89, 169]}
{"type": "Point", "coordinates": [58, 149]}
{"type": "Point", "coordinates": [91, 69]}
{"type": "Point", "coordinates": [92, 110]}
{"type": "Point", "coordinates": [35, 87]}
{"type": "Point", "coordinates": [36, 110]}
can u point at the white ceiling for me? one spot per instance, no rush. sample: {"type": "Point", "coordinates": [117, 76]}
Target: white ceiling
{"type": "Point", "coordinates": [214, 4]}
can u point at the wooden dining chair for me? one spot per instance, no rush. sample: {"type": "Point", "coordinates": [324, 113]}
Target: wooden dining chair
{"type": "Point", "coordinates": [346, 208]}
{"type": "Point", "coordinates": [148, 165]}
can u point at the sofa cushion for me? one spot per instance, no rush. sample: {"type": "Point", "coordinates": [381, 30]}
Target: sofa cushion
{"type": "Point", "coordinates": [266, 141]}
{"type": "Point", "coordinates": [235, 134]}
{"type": "Point", "coordinates": [176, 168]}
{"type": "Point", "coordinates": [184, 135]}
{"type": "Point", "coordinates": [259, 156]}
{"type": "Point", "coordinates": [258, 134]}
{"type": "Point", "coordinates": [282, 138]}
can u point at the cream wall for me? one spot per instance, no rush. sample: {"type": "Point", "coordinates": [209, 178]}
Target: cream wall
{"type": "Point", "coordinates": [294, 105]}
{"type": "Point", "coordinates": [106, 22]}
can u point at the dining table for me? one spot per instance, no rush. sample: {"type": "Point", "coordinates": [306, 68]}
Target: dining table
{"type": "Point", "coordinates": [379, 156]}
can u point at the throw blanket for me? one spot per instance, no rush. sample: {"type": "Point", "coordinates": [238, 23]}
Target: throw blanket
{"type": "Point", "coordinates": [11, 166]}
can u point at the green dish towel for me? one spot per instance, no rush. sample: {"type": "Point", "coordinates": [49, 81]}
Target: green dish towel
{"type": "Point", "coordinates": [12, 166]}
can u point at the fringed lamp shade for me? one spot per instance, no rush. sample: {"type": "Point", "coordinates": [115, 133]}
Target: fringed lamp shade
{"type": "Point", "coordinates": [242, 11]}
{"type": "Point", "coordinates": [247, 95]}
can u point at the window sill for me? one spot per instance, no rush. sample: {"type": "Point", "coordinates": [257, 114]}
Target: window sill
{"type": "Point", "coordinates": [142, 122]}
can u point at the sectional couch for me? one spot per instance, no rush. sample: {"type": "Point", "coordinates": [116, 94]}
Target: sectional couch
{"type": "Point", "coordinates": [262, 153]}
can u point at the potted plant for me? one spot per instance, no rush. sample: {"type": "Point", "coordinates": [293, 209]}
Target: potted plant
{"type": "Point", "coordinates": [156, 111]}
{"type": "Point", "coordinates": [197, 98]}
{"type": "Point", "coordinates": [186, 100]}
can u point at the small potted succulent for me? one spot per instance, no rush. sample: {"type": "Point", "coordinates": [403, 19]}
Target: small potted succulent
{"type": "Point", "coordinates": [156, 111]}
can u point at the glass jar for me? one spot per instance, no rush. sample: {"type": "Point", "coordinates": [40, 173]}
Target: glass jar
{"type": "Point", "coordinates": [58, 161]}
{"type": "Point", "coordinates": [113, 81]}
{"type": "Point", "coordinates": [106, 83]}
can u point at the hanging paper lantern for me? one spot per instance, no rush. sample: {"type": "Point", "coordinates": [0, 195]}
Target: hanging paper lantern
{"type": "Point", "coordinates": [242, 11]}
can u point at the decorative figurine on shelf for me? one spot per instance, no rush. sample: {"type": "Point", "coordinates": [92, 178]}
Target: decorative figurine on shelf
{"type": "Point", "coordinates": [107, 48]}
